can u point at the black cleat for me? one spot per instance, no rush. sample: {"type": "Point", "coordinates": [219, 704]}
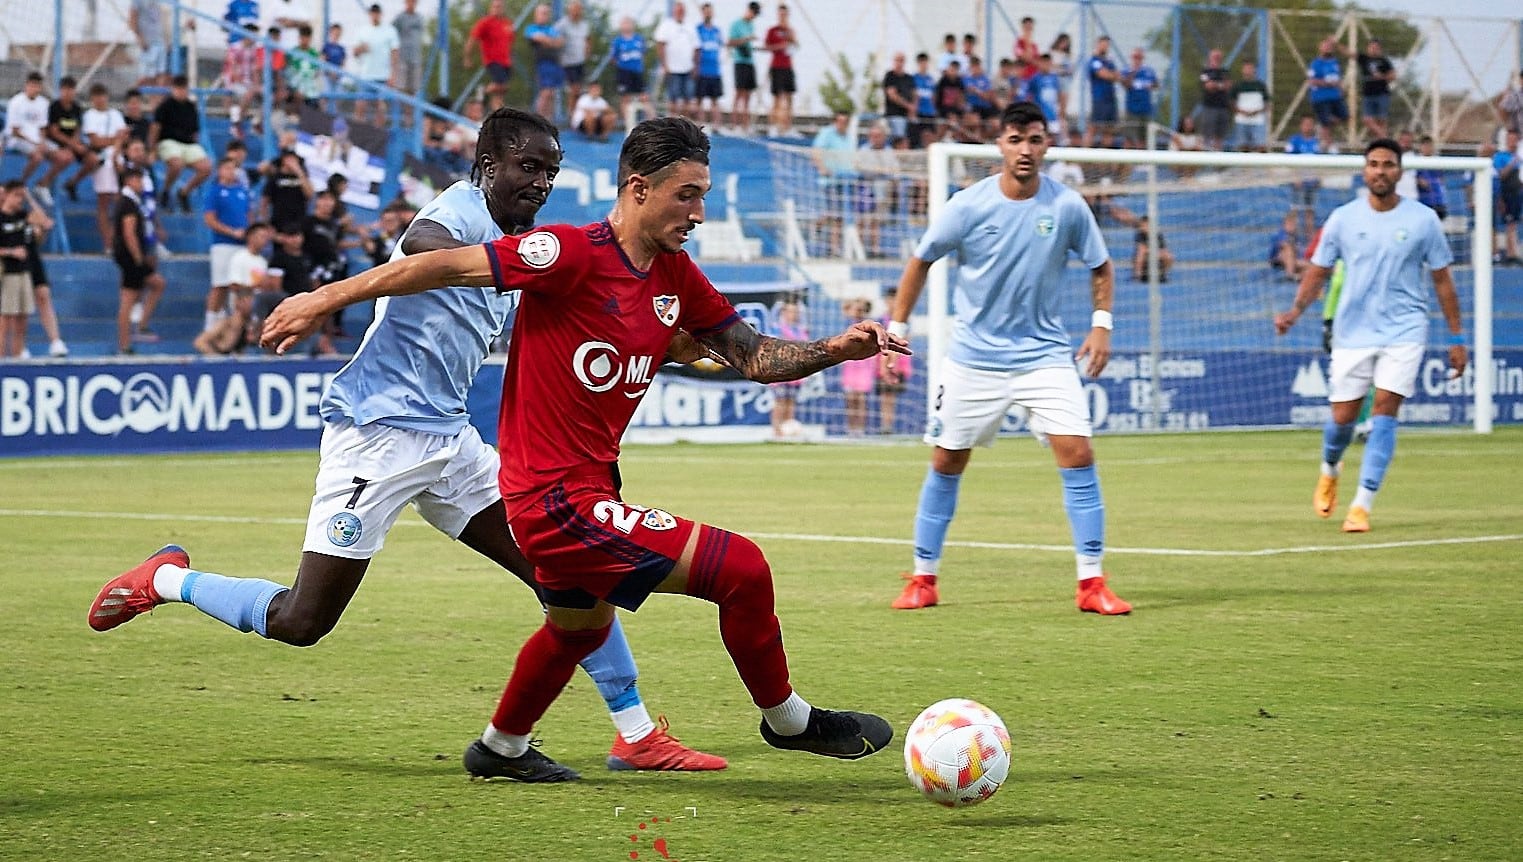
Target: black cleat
{"type": "Point", "coordinates": [483, 762]}
{"type": "Point", "coordinates": [847, 735]}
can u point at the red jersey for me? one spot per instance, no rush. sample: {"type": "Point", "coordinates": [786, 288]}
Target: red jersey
{"type": "Point", "coordinates": [780, 41]}
{"type": "Point", "coordinates": [590, 334]}
{"type": "Point", "coordinates": [496, 38]}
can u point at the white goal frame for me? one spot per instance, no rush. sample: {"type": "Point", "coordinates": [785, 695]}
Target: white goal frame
{"type": "Point", "coordinates": [939, 158]}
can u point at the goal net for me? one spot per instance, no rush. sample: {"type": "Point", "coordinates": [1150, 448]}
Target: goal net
{"type": "Point", "coordinates": [1207, 247]}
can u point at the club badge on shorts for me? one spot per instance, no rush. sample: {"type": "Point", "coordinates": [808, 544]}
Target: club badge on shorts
{"type": "Point", "coordinates": [539, 249]}
{"type": "Point", "coordinates": [344, 529]}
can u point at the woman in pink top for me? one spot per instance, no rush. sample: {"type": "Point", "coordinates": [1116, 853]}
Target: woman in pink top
{"type": "Point", "coordinates": [857, 377]}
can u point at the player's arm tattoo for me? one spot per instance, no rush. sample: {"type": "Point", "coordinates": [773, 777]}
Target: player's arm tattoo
{"type": "Point", "coordinates": [428, 235]}
{"type": "Point", "coordinates": [765, 359]}
{"type": "Point", "coordinates": [1102, 286]}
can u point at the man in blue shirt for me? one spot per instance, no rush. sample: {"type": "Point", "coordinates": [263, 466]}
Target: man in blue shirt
{"type": "Point", "coordinates": [925, 99]}
{"type": "Point", "coordinates": [1430, 184]}
{"type": "Point", "coordinates": [397, 432]}
{"type": "Point", "coordinates": [546, 40]}
{"type": "Point", "coordinates": [710, 85]}
{"type": "Point", "coordinates": [1013, 233]}
{"type": "Point", "coordinates": [1140, 81]}
{"type": "Point", "coordinates": [980, 95]}
{"type": "Point", "coordinates": [628, 49]}
{"type": "Point", "coordinates": [1102, 94]}
{"type": "Point", "coordinates": [1325, 77]}
{"type": "Point", "coordinates": [226, 214]}
{"type": "Point", "coordinates": [1046, 90]}
{"type": "Point", "coordinates": [1380, 328]}
{"type": "Point", "coordinates": [1303, 192]}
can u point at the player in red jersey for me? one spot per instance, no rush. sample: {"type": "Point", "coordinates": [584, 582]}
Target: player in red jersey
{"type": "Point", "coordinates": [600, 305]}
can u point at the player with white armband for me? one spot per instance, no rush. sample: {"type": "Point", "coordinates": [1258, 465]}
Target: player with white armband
{"type": "Point", "coordinates": [1012, 233]}
{"type": "Point", "coordinates": [1380, 322]}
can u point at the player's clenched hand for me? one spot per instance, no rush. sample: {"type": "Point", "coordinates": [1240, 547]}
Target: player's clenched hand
{"type": "Point", "coordinates": [1284, 321]}
{"type": "Point", "coordinates": [295, 318]}
{"type": "Point", "coordinates": [1098, 348]}
{"type": "Point", "coordinates": [1458, 359]}
{"type": "Point", "coordinates": [867, 338]}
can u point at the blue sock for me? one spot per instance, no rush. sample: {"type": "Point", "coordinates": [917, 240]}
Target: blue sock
{"type": "Point", "coordinates": [1086, 516]}
{"type": "Point", "coordinates": [1335, 439]}
{"type": "Point", "coordinates": [239, 602]}
{"type": "Point", "coordinates": [1377, 452]}
{"type": "Point", "coordinates": [612, 668]}
{"type": "Point", "coordinates": [938, 502]}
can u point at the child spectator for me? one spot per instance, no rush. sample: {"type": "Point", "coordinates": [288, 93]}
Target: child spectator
{"type": "Point", "coordinates": [247, 273]}
{"type": "Point", "coordinates": [1140, 253]}
{"type": "Point", "coordinates": [592, 115]}
{"type": "Point", "coordinates": [138, 124]}
{"type": "Point", "coordinates": [26, 117]}
{"type": "Point", "coordinates": [65, 116]}
{"type": "Point", "coordinates": [857, 376]}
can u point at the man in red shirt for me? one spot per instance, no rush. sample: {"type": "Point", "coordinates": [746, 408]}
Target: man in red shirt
{"type": "Point", "coordinates": [780, 41]}
{"type": "Point", "coordinates": [599, 308]}
{"type": "Point", "coordinates": [494, 32]}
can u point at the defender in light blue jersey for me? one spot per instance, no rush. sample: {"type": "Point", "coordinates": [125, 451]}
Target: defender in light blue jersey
{"type": "Point", "coordinates": [1380, 327]}
{"type": "Point", "coordinates": [397, 432]}
{"type": "Point", "coordinates": [1013, 234]}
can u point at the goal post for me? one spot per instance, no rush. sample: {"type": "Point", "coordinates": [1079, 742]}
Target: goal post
{"type": "Point", "coordinates": [1194, 347]}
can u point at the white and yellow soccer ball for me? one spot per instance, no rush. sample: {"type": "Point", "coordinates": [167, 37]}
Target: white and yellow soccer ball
{"type": "Point", "coordinates": [957, 752]}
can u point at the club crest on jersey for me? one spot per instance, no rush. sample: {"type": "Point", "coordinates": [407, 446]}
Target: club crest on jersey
{"type": "Point", "coordinates": [655, 519]}
{"type": "Point", "coordinates": [539, 249]}
{"type": "Point", "coordinates": [1401, 234]}
{"type": "Point", "coordinates": [667, 309]}
{"type": "Point", "coordinates": [1045, 225]}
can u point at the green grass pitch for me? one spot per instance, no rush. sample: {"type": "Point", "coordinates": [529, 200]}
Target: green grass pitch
{"type": "Point", "coordinates": [1306, 695]}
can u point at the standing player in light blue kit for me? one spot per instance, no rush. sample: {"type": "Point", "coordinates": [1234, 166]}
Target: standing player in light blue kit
{"type": "Point", "coordinates": [1381, 323]}
{"type": "Point", "coordinates": [1012, 233]}
{"type": "Point", "coordinates": [397, 432]}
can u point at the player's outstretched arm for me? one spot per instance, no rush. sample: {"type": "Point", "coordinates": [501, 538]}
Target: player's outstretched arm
{"type": "Point", "coordinates": [1311, 288]}
{"type": "Point", "coordinates": [765, 359]}
{"type": "Point", "coordinates": [1097, 345]}
{"type": "Point", "coordinates": [300, 315]}
{"type": "Point", "coordinates": [428, 235]}
{"type": "Point", "coordinates": [1449, 303]}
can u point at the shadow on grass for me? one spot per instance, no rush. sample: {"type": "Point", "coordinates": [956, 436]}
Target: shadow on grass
{"type": "Point", "coordinates": [995, 820]}
{"type": "Point", "coordinates": [828, 788]}
{"type": "Point", "coordinates": [430, 766]}
{"type": "Point", "coordinates": [65, 801]}
{"type": "Point", "coordinates": [1225, 596]}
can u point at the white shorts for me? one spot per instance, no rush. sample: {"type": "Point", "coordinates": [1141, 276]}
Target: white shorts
{"type": "Point", "coordinates": [972, 403]}
{"type": "Point", "coordinates": [26, 147]}
{"type": "Point", "coordinates": [366, 475]}
{"type": "Point", "coordinates": [1392, 368]}
{"type": "Point", "coordinates": [105, 179]}
{"type": "Point", "coordinates": [222, 263]}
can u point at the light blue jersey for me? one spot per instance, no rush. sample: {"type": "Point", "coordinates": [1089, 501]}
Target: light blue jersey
{"type": "Point", "coordinates": [420, 354]}
{"type": "Point", "coordinates": [1011, 258]}
{"type": "Point", "coordinates": [1384, 299]}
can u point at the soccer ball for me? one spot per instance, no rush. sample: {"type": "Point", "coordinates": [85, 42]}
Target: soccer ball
{"type": "Point", "coordinates": [957, 753]}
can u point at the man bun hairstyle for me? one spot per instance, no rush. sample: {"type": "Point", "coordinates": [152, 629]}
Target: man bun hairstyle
{"type": "Point", "coordinates": [660, 143]}
{"type": "Point", "coordinates": [508, 128]}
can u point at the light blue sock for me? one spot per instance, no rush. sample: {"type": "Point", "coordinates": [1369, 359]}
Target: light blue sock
{"type": "Point", "coordinates": [1086, 516]}
{"type": "Point", "coordinates": [612, 668]}
{"type": "Point", "coordinates": [239, 602]}
{"type": "Point", "coordinates": [1335, 439]}
{"type": "Point", "coordinates": [1377, 452]}
{"type": "Point", "coordinates": [938, 502]}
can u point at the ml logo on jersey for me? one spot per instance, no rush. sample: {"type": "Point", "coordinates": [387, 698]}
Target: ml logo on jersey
{"type": "Point", "coordinates": [1045, 225]}
{"type": "Point", "coordinates": [667, 309]}
{"type": "Point", "coordinates": [599, 367]}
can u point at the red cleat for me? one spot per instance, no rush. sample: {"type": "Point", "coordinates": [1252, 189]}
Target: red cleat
{"type": "Point", "coordinates": [662, 752]}
{"type": "Point", "coordinates": [920, 592]}
{"type": "Point", "coordinates": [1094, 597]}
{"type": "Point", "coordinates": [131, 593]}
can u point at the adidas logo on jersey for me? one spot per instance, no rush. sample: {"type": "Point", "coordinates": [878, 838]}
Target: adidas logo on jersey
{"type": "Point", "coordinates": [611, 306]}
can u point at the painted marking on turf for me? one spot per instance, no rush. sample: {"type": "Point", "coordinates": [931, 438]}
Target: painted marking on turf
{"type": "Point", "coordinates": [822, 537]}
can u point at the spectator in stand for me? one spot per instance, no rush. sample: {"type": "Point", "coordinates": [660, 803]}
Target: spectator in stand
{"type": "Point", "coordinates": [494, 33]}
{"type": "Point", "coordinates": [135, 154]}
{"type": "Point", "coordinates": [878, 164]}
{"type": "Point", "coordinates": [898, 98]}
{"type": "Point", "coordinates": [460, 138]}
{"type": "Point", "coordinates": [1047, 91]}
{"type": "Point", "coordinates": [1103, 77]}
{"type": "Point", "coordinates": [950, 54]}
{"type": "Point", "coordinates": [576, 30]}
{"type": "Point", "coordinates": [628, 49]}
{"type": "Point", "coordinates": [1140, 82]}
{"type": "Point", "coordinates": [375, 53]}
{"type": "Point", "coordinates": [226, 214]}
{"type": "Point", "coordinates": [175, 135]}
{"type": "Point", "coordinates": [592, 115]}
{"type": "Point", "coordinates": [1507, 190]}
{"type": "Point", "coordinates": [146, 20]}
{"type": "Point", "coordinates": [291, 264]}
{"type": "Point", "coordinates": [288, 15]}
{"type": "Point", "coordinates": [710, 84]}
{"type": "Point", "coordinates": [104, 131]}
{"type": "Point", "coordinates": [1140, 258]}
{"type": "Point", "coordinates": [239, 73]}
{"type": "Point", "coordinates": [1010, 83]}
{"type": "Point", "coordinates": [1509, 106]}
{"type": "Point", "coordinates": [301, 64]}
{"type": "Point", "coordinates": [277, 61]}
{"type": "Point", "coordinates": [1061, 51]}
{"type": "Point", "coordinates": [979, 91]}
{"type": "Point", "coordinates": [382, 237]}
{"type": "Point", "coordinates": [1406, 186]}
{"type": "Point", "coordinates": [969, 51]}
{"type": "Point", "coordinates": [335, 54]}
{"type": "Point", "coordinates": [38, 225]}
{"type": "Point", "coordinates": [677, 50]}
{"type": "Point", "coordinates": [858, 376]}
{"type": "Point", "coordinates": [1430, 183]}
{"type": "Point", "coordinates": [16, 300]}
{"type": "Point", "coordinates": [322, 239]}
{"type": "Point", "coordinates": [1027, 48]}
{"type": "Point", "coordinates": [409, 69]}
{"type": "Point", "coordinates": [785, 395]}
{"type": "Point", "coordinates": [247, 273]}
{"type": "Point", "coordinates": [1250, 110]}
{"type": "Point", "coordinates": [141, 282]}
{"type": "Point", "coordinates": [1285, 249]}
{"type": "Point", "coordinates": [1375, 76]}
{"type": "Point", "coordinates": [742, 41]}
{"type": "Point", "coordinates": [951, 94]}
{"type": "Point", "coordinates": [781, 41]}
{"type": "Point", "coordinates": [546, 42]}
{"type": "Point", "coordinates": [1306, 141]}
{"type": "Point", "coordinates": [239, 153]}
{"type": "Point", "coordinates": [139, 124]}
{"type": "Point", "coordinates": [1215, 113]}
{"type": "Point", "coordinates": [925, 98]}
{"type": "Point", "coordinates": [1325, 78]}
{"type": "Point", "coordinates": [243, 15]}
{"type": "Point", "coordinates": [286, 193]}
{"type": "Point", "coordinates": [834, 152]}
{"type": "Point", "coordinates": [64, 118]}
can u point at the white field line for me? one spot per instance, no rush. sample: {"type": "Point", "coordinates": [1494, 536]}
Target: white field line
{"type": "Point", "coordinates": [816, 537]}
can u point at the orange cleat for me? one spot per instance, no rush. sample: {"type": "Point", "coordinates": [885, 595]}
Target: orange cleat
{"type": "Point", "coordinates": [1094, 597]}
{"type": "Point", "coordinates": [131, 593]}
{"type": "Point", "coordinates": [920, 592]}
{"type": "Point", "coordinates": [662, 752]}
{"type": "Point", "coordinates": [1358, 520]}
{"type": "Point", "coordinates": [1326, 496]}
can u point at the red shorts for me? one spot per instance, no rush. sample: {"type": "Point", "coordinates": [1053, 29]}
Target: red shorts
{"type": "Point", "coordinates": [587, 544]}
